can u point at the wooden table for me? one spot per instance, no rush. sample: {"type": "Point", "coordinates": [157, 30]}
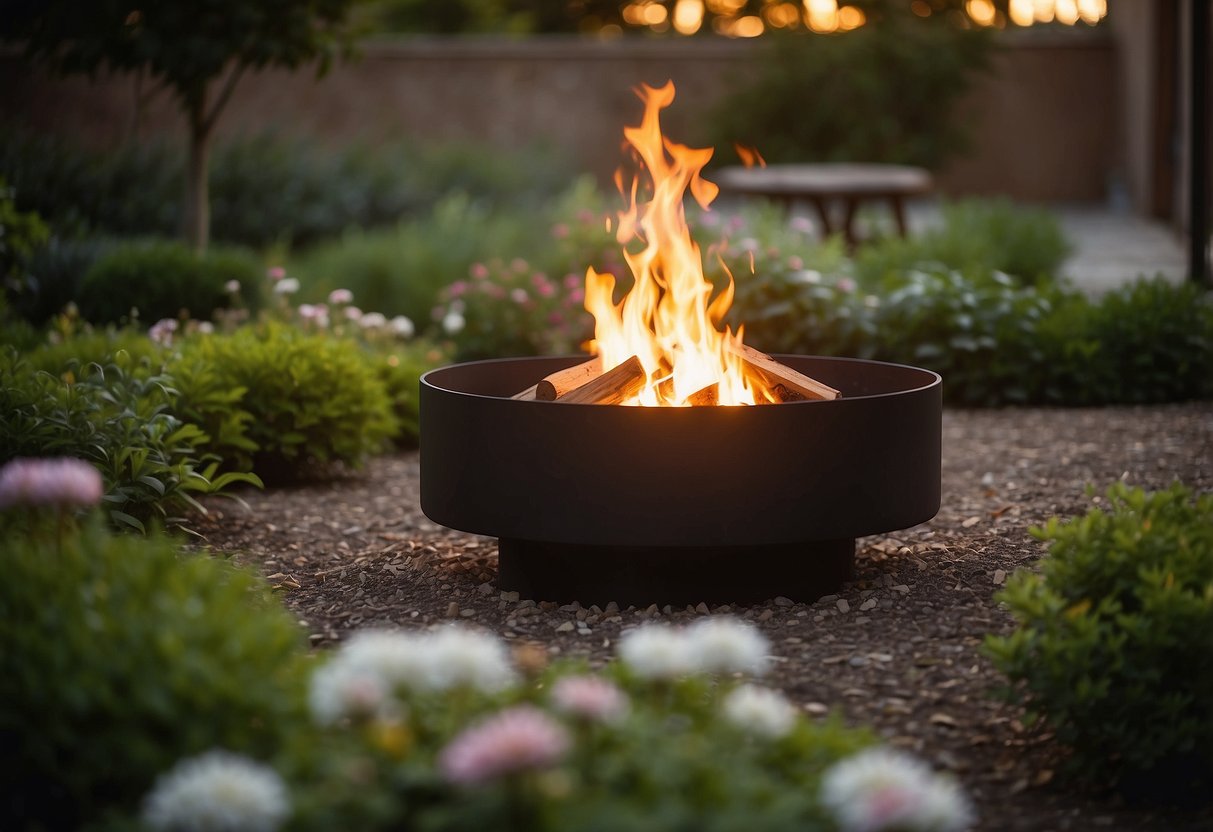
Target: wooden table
{"type": "Point", "coordinates": [826, 184]}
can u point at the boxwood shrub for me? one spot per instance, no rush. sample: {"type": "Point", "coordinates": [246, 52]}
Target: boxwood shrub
{"type": "Point", "coordinates": [121, 655]}
{"type": "Point", "coordinates": [1114, 645]}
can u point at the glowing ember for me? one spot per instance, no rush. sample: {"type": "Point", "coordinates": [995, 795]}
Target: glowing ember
{"type": "Point", "coordinates": [668, 319]}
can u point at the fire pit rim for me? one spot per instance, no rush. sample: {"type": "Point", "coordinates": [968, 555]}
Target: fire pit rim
{"type": "Point", "coordinates": [427, 379]}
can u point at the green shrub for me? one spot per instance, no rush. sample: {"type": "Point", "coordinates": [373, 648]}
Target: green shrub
{"type": "Point", "coordinates": [399, 368]}
{"type": "Point", "coordinates": [143, 356]}
{"type": "Point", "coordinates": [312, 399]}
{"type": "Point", "coordinates": [265, 189]}
{"type": "Point", "coordinates": [1115, 641]}
{"type": "Point", "coordinates": [978, 237]}
{"type": "Point", "coordinates": [1147, 342]}
{"type": "Point", "coordinates": [120, 656]}
{"type": "Point", "coordinates": [54, 274]}
{"type": "Point", "coordinates": [119, 416]}
{"type": "Point", "coordinates": [400, 271]}
{"type": "Point", "coordinates": [162, 279]}
{"type": "Point", "coordinates": [829, 98]}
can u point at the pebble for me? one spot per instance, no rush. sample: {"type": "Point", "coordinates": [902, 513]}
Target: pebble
{"type": "Point", "coordinates": [869, 604]}
{"type": "Point", "coordinates": [452, 610]}
{"type": "Point", "coordinates": [467, 613]}
{"type": "Point", "coordinates": [566, 627]}
{"type": "Point", "coordinates": [781, 601]}
{"type": "Point", "coordinates": [843, 605]}
{"type": "Point", "coordinates": [766, 615]}
{"type": "Point", "coordinates": [816, 708]}
{"type": "Point", "coordinates": [510, 596]}
{"type": "Point", "coordinates": [702, 609]}
{"type": "Point", "coordinates": [485, 588]}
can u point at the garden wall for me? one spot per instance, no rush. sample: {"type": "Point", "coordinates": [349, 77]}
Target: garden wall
{"type": "Point", "coordinates": [1045, 122]}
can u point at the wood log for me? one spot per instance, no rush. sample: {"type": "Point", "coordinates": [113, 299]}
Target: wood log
{"type": "Point", "coordinates": [773, 374]}
{"type": "Point", "coordinates": [707, 397]}
{"type": "Point", "coordinates": [612, 387]}
{"type": "Point", "coordinates": [551, 387]}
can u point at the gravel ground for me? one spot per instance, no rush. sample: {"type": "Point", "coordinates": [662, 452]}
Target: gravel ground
{"type": "Point", "coordinates": [897, 649]}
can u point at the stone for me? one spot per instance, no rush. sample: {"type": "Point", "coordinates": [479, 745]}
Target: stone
{"type": "Point", "coordinates": [566, 627]}
{"type": "Point", "coordinates": [843, 605]}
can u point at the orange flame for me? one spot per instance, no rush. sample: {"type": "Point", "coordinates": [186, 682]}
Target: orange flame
{"type": "Point", "coordinates": [669, 318]}
{"type": "Point", "coordinates": [749, 156]}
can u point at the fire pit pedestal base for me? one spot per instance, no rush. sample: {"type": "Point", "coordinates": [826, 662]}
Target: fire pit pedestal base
{"type": "Point", "coordinates": [643, 575]}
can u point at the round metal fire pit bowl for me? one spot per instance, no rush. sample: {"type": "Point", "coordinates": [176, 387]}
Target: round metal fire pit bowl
{"type": "Point", "coordinates": [639, 505]}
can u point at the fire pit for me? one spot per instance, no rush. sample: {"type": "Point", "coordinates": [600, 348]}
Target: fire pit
{"type": "Point", "coordinates": [679, 464]}
{"type": "Point", "coordinates": [641, 505]}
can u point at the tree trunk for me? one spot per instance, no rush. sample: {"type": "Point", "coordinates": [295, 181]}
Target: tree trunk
{"type": "Point", "coordinates": [197, 193]}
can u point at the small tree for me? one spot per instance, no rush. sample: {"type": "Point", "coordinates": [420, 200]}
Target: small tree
{"type": "Point", "coordinates": [199, 50]}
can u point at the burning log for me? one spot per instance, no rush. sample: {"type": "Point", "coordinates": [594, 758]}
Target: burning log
{"type": "Point", "coordinates": [557, 384]}
{"type": "Point", "coordinates": [775, 376]}
{"type": "Point", "coordinates": [707, 397]}
{"type": "Point", "coordinates": [612, 387]}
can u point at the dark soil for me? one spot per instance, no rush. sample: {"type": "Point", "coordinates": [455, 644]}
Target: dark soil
{"type": "Point", "coordinates": [897, 649]}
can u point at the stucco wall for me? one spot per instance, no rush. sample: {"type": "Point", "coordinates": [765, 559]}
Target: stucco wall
{"type": "Point", "coordinates": [1046, 123]}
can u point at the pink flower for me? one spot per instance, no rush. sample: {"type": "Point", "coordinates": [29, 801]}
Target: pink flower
{"type": "Point", "coordinates": [560, 231]}
{"type": "Point", "coordinates": [457, 289]}
{"type": "Point", "coordinates": [590, 697]}
{"type": "Point", "coordinates": [59, 481]}
{"type": "Point", "coordinates": [515, 740]}
{"type": "Point", "coordinates": [275, 272]}
{"type": "Point", "coordinates": [352, 313]}
{"type": "Point", "coordinates": [479, 271]}
{"type": "Point", "coordinates": [586, 216]}
{"type": "Point", "coordinates": [495, 291]}
{"type": "Point", "coordinates": [338, 296]}
{"type": "Point", "coordinates": [162, 331]}
{"type": "Point", "coordinates": [546, 290]}
{"type": "Point", "coordinates": [845, 285]}
{"type": "Point", "coordinates": [572, 281]}
{"type": "Point", "coordinates": [519, 295]}
{"type": "Point", "coordinates": [802, 224]}
{"type": "Point", "coordinates": [795, 263]}
{"type": "Point", "coordinates": [577, 295]}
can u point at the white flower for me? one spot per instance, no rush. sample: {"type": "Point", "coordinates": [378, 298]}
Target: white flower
{"type": "Point", "coordinates": [339, 296]}
{"type": "Point", "coordinates": [466, 658]}
{"type": "Point", "coordinates": [206, 327]}
{"type": "Point", "coordinates": [286, 286]}
{"type": "Point", "coordinates": [453, 323]}
{"type": "Point", "coordinates": [656, 652]}
{"type": "Point", "coordinates": [162, 331]}
{"type": "Point", "coordinates": [760, 711]}
{"type": "Point", "coordinates": [217, 792]}
{"type": "Point", "coordinates": [402, 326]}
{"type": "Point", "coordinates": [805, 276]}
{"type": "Point", "coordinates": [726, 645]}
{"type": "Point", "coordinates": [232, 287]}
{"type": "Point", "coordinates": [341, 689]}
{"type": "Point", "coordinates": [352, 313]}
{"type": "Point", "coordinates": [396, 658]}
{"type": "Point", "coordinates": [880, 789]}
{"type": "Point", "coordinates": [373, 320]}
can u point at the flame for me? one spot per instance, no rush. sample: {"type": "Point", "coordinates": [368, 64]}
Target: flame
{"type": "Point", "coordinates": [668, 319]}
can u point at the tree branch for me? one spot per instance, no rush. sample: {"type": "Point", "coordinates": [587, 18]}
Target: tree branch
{"type": "Point", "coordinates": [209, 120]}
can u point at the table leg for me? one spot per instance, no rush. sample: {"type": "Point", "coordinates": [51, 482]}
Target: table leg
{"type": "Point", "coordinates": [899, 215]}
{"type": "Point", "coordinates": [848, 223]}
{"type": "Point", "coordinates": [823, 213]}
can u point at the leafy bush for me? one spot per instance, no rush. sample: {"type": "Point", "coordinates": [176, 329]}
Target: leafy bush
{"type": "Point", "coordinates": [312, 399]}
{"type": "Point", "coordinates": [1147, 342]}
{"type": "Point", "coordinates": [400, 271]}
{"type": "Point", "coordinates": [162, 279]}
{"type": "Point", "coordinates": [978, 237]}
{"type": "Point", "coordinates": [399, 368]}
{"type": "Point", "coordinates": [829, 98]}
{"type": "Point", "coordinates": [54, 274]}
{"type": "Point", "coordinates": [1113, 647]}
{"type": "Point", "coordinates": [120, 417]}
{"type": "Point", "coordinates": [121, 656]}
{"type": "Point", "coordinates": [66, 354]}
{"type": "Point", "coordinates": [265, 189]}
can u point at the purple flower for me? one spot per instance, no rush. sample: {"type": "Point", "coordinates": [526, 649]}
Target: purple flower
{"type": "Point", "coordinates": [162, 331]}
{"type": "Point", "coordinates": [60, 482]}
{"type": "Point", "coordinates": [590, 698]}
{"type": "Point", "coordinates": [519, 739]}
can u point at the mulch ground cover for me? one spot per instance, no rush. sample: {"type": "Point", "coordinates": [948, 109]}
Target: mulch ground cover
{"type": "Point", "coordinates": [897, 649]}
